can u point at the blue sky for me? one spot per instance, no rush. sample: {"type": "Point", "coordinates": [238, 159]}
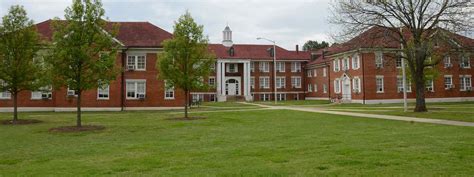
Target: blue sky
{"type": "Point", "coordinates": [289, 22]}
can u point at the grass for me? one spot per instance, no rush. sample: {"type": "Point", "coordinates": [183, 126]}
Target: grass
{"type": "Point", "coordinates": [460, 111]}
{"type": "Point", "coordinates": [252, 143]}
{"type": "Point", "coordinates": [295, 102]}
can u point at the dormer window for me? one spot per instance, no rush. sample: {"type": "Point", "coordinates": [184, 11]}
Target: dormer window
{"type": "Point", "coordinates": [231, 51]}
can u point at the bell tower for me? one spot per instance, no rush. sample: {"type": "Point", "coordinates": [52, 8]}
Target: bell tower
{"type": "Point", "coordinates": [227, 36]}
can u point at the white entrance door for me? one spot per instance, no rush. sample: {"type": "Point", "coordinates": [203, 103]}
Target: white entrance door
{"type": "Point", "coordinates": [232, 87]}
{"type": "Point", "coordinates": [346, 88]}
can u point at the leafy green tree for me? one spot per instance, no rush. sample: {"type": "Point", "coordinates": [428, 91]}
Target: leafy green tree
{"type": "Point", "coordinates": [83, 52]}
{"type": "Point", "coordinates": [186, 59]}
{"type": "Point", "coordinates": [314, 45]}
{"type": "Point", "coordinates": [20, 68]}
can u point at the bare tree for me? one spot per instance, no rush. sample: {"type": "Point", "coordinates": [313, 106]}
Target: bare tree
{"type": "Point", "coordinates": [409, 21]}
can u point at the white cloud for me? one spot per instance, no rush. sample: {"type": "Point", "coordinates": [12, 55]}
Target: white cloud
{"type": "Point", "coordinates": [289, 22]}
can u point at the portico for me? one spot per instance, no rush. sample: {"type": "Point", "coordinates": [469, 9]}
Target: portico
{"type": "Point", "coordinates": [233, 85]}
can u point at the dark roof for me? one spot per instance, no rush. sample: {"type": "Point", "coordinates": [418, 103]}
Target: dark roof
{"type": "Point", "coordinates": [380, 37]}
{"type": "Point", "coordinates": [131, 34]}
{"type": "Point", "coordinates": [258, 52]}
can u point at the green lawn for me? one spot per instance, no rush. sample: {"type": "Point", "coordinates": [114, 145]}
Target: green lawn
{"type": "Point", "coordinates": [253, 143]}
{"type": "Point", "coordinates": [460, 111]}
{"type": "Point", "coordinates": [295, 102]}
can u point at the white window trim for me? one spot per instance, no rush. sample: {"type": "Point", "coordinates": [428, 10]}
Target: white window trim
{"type": "Point", "coordinates": [280, 66]}
{"type": "Point", "coordinates": [108, 93]}
{"type": "Point", "coordinates": [337, 86]}
{"type": "Point", "coordinates": [448, 63]}
{"type": "Point", "coordinates": [346, 64]}
{"type": "Point", "coordinates": [468, 61]}
{"type": "Point", "coordinates": [407, 84]}
{"type": "Point", "coordinates": [296, 77]}
{"type": "Point", "coordinates": [264, 86]}
{"type": "Point", "coordinates": [356, 87]}
{"type": "Point", "coordinates": [355, 61]}
{"type": "Point", "coordinates": [325, 88]}
{"type": "Point", "coordinates": [379, 55]}
{"type": "Point", "coordinates": [325, 72]}
{"type": "Point", "coordinates": [336, 65]}
{"type": "Point", "coordinates": [279, 78]}
{"type": "Point", "coordinates": [252, 67]}
{"type": "Point", "coordinates": [264, 67]}
{"type": "Point", "coordinates": [136, 86]}
{"type": "Point", "coordinates": [451, 83]}
{"type": "Point", "coordinates": [315, 88]}
{"type": "Point", "coordinates": [135, 56]}
{"type": "Point", "coordinates": [169, 90]}
{"type": "Point", "coordinates": [310, 87]}
{"type": "Point", "coordinates": [209, 81]}
{"type": "Point", "coordinates": [383, 83]}
{"type": "Point", "coordinates": [295, 67]}
{"type": "Point", "coordinates": [315, 72]}
{"type": "Point", "coordinates": [464, 80]}
{"type": "Point", "coordinates": [252, 84]}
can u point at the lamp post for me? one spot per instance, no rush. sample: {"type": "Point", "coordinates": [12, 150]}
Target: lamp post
{"type": "Point", "coordinates": [274, 67]}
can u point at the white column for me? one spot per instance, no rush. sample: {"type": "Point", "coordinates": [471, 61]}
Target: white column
{"type": "Point", "coordinates": [218, 73]}
{"type": "Point", "coordinates": [248, 95]}
{"type": "Point", "coordinates": [221, 82]}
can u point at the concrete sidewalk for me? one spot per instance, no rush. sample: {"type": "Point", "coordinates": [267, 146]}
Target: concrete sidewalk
{"type": "Point", "coordinates": [374, 116]}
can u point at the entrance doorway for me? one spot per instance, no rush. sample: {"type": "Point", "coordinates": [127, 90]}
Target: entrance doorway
{"type": "Point", "coordinates": [232, 87]}
{"type": "Point", "coordinates": [346, 89]}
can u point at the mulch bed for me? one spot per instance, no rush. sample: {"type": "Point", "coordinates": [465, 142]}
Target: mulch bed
{"type": "Point", "coordinates": [84, 128]}
{"type": "Point", "coordinates": [21, 122]}
{"type": "Point", "coordinates": [186, 119]}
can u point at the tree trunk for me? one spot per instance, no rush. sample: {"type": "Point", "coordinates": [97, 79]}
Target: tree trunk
{"type": "Point", "coordinates": [420, 94]}
{"type": "Point", "coordinates": [15, 108]}
{"type": "Point", "coordinates": [78, 104]}
{"type": "Point", "coordinates": [186, 103]}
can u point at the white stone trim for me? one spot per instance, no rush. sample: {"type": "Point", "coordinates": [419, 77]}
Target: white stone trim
{"type": "Point", "coordinates": [316, 98]}
{"type": "Point", "coordinates": [429, 100]}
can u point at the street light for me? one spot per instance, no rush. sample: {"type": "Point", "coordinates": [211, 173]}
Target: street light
{"type": "Point", "coordinates": [274, 67]}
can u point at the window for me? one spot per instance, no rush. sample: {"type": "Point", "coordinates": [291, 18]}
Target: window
{"type": "Point", "coordinates": [280, 82]}
{"type": "Point", "coordinates": [379, 84]}
{"type": "Point", "coordinates": [378, 59]}
{"type": "Point", "coordinates": [212, 81]}
{"type": "Point", "coordinates": [345, 64]}
{"type": "Point", "coordinates": [465, 83]}
{"type": "Point", "coordinates": [447, 61]}
{"type": "Point", "coordinates": [429, 85]}
{"type": "Point", "coordinates": [42, 93]}
{"type": "Point", "coordinates": [336, 65]}
{"type": "Point", "coordinates": [310, 87]}
{"type": "Point", "coordinates": [136, 62]}
{"type": "Point", "coordinates": [264, 67]}
{"type": "Point", "coordinates": [315, 87]}
{"type": "Point", "coordinates": [315, 73]}
{"type": "Point", "coordinates": [213, 67]}
{"type": "Point", "coordinates": [103, 92]}
{"type": "Point", "coordinates": [398, 62]}
{"type": "Point", "coordinates": [356, 84]}
{"type": "Point", "coordinates": [295, 67]}
{"type": "Point", "coordinates": [212, 97]}
{"type": "Point", "coordinates": [296, 82]}
{"type": "Point", "coordinates": [169, 91]}
{"type": "Point", "coordinates": [264, 82]}
{"type": "Point", "coordinates": [325, 72]}
{"type": "Point", "coordinates": [280, 67]}
{"type": "Point", "coordinates": [337, 86]}
{"type": "Point", "coordinates": [448, 82]}
{"type": "Point", "coordinates": [252, 82]}
{"type": "Point", "coordinates": [197, 97]}
{"type": "Point", "coordinates": [3, 93]}
{"type": "Point", "coordinates": [309, 73]}
{"type": "Point", "coordinates": [252, 66]}
{"type": "Point", "coordinates": [232, 67]}
{"type": "Point", "coordinates": [71, 92]}
{"type": "Point", "coordinates": [325, 88]}
{"type": "Point", "coordinates": [264, 97]}
{"type": "Point", "coordinates": [281, 96]}
{"type": "Point", "coordinates": [136, 89]}
{"type": "Point", "coordinates": [400, 84]}
{"type": "Point", "coordinates": [355, 61]}
{"type": "Point", "coordinates": [465, 62]}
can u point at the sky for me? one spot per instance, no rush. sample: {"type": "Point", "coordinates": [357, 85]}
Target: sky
{"type": "Point", "coordinates": [288, 22]}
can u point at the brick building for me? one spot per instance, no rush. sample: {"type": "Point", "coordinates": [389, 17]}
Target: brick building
{"type": "Point", "coordinates": [367, 69]}
{"type": "Point", "coordinates": [241, 72]}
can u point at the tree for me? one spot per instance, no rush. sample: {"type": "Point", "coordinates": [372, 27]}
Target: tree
{"type": "Point", "coordinates": [20, 67]}
{"type": "Point", "coordinates": [314, 45]}
{"type": "Point", "coordinates": [411, 22]}
{"type": "Point", "coordinates": [83, 52]}
{"type": "Point", "coordinates": [186, 60]}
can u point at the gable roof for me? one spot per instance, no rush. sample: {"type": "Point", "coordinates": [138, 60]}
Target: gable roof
{"type": "Point", "coordinates": [257, 52]}
{"type": "Point", "coordinates": [131, 34]}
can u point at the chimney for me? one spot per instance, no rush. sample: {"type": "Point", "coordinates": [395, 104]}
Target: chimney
{"type": "Point", "coordinates": [297, 49]}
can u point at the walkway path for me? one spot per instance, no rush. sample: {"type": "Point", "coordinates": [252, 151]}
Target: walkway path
{"type": "Point", "coordinates": [364, 115]}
